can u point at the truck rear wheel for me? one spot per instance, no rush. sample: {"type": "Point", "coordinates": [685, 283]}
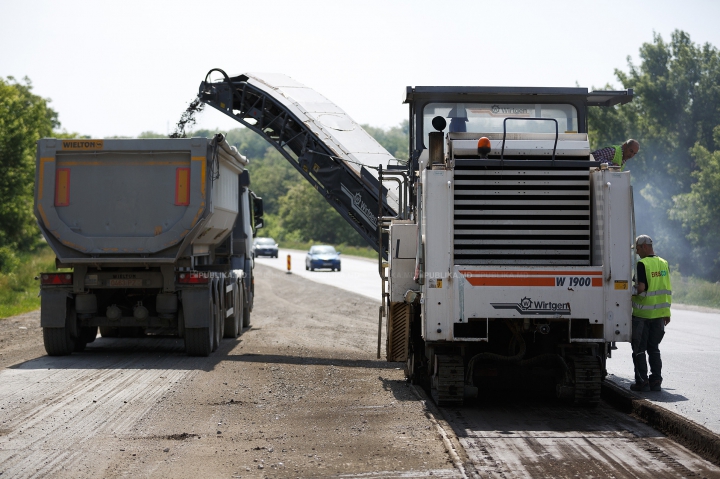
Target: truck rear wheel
{"type": "Point", "coordinates": [245, 305]}
{"type": "Point", "coordinates": [59, 341]}
{"type": "Point", "coordinates": [234, 322]}
{"type": "Point", "coordinates": [199, 341]}
{"type": "Point", "coordinates": [88, 333]}
{"type": "Point", "coordinates": [109, 332]}
{"type": "Point", "coordinates": [217, 324]}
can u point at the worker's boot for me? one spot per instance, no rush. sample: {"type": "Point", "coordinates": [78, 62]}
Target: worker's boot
{"type": "Point", "coordinates": [641, 386]}
{"type": "Point", "coordinates": [655, 385]}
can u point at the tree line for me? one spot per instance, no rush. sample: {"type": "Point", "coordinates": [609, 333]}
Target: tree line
{"type": "Point", "coordinates": [676, 176]}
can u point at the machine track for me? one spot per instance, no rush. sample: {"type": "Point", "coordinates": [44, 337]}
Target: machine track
{"type": "Point", "coordinates": [587, 374]}
{"type": "Point", "coordinates": [448, 380]}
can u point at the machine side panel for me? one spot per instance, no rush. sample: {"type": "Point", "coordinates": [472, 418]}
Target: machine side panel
{"type": "Point", "coordinates": [617, 250]}
{"type": "Point", "coordinates": [438, 232]}
{"type": "Point", "coordinates": [403, 248]}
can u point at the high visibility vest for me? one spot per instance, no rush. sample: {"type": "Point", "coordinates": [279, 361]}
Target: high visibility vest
{"type": "Point", "coordinates": [617, 159]}
{"type": "Point", "coordinates": [655, 301]}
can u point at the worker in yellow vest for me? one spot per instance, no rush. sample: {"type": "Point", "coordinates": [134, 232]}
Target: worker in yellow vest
{"type": "Point", "coordinates": [652, 295]}
{"type": "Point", "coordinates": [617, 155]}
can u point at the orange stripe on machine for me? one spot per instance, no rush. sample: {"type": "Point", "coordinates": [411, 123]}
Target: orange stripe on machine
{"type": "Point", "coordinates": [557, 279]}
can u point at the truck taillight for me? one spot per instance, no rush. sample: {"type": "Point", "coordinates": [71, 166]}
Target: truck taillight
{"type": "Point", "coordinates": [56, 278]}
{"type": "Point", "coordinates": [193, 278]}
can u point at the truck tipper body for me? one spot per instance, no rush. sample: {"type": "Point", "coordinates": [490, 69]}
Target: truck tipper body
{"type": "Point", "coordinates": [150, 235]}
{"type": "Point", "coordinates": [505, 250]}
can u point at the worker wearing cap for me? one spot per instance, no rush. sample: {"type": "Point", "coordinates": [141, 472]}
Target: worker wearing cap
{"type": "Point", "coordinates": [617, 155]}
{"type": "Point", "coordinates": [652, 295]}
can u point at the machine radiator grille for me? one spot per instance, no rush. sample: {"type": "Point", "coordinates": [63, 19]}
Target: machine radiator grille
{"type": "Point", "coordinates": [522, 217]}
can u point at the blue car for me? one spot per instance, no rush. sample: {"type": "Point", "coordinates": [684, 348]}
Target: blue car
{"type": "Point", "coordinates": [322, 256]}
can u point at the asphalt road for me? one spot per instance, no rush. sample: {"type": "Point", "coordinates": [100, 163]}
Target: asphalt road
{"type": "Point", "coordinates": [690, 349]}
{"type": "Point", "coordinates": [299, 394]}
{"type": "Point", "coordinates": [359, 275]}
{"type": "Point", "coordinates": [691, 361]}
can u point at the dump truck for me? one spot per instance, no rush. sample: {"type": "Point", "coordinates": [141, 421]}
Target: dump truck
{"type": "Point", "coordinates": [504, 249]}
{"type": "Point", "coordinates": [150, 236]}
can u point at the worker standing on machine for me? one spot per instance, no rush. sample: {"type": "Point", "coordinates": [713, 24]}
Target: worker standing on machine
{"type": "Point", "coordinates": [650, 314]}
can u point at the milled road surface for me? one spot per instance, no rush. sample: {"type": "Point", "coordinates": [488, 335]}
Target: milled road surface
{"type": "Point", "coordinates": [690, 349]}
{"type": "Point", "coordinates": [523, 438]}
{"type": "Point", "coordinates": [300, 394]}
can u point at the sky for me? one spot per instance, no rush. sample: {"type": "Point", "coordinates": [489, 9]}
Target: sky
{"type": "Point", "coordinates": [125, 67]}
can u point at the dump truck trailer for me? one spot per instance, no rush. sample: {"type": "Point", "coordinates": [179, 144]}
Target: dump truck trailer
{"type": "Point", "coordinates": [505, 249]}
{"type": "Point", "coordinates": [150, 236]}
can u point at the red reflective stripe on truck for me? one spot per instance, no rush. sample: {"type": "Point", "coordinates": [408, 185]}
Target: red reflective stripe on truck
{"type": "Point", "coordinates": [182, 186]}
{"type": "Point", "coordinates": [62, 187]}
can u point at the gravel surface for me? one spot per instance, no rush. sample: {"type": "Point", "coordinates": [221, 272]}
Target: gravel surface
{"type": "Point", "coordinates": [299, 394]}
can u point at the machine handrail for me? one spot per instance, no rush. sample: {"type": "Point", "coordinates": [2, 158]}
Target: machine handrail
{"type": "Point", "coordinates": [502, 150]}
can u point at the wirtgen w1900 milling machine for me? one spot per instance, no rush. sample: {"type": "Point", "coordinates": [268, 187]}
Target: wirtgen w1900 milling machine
{"type": "Point", "coordinates": [505, 248]}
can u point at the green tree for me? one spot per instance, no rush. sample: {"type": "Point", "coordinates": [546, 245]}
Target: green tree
{"type": "Point", "coordinates": [24, 119]}
{"type": "Point", "coordinates": [307, 216]}
{"type": "Point", "coordinates": [677, 106]}
{"type": "Point", "coordinates": [394, 140]}
{"type": "Point", "coordinates": [699, 210]}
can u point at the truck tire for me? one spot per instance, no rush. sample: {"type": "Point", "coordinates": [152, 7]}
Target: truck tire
{"type": "Point", "coordinates": [109, 332]}
{"type": "Point", "coordinates": [59, 341]}
{"type": "Point", "coordinates": [199, 341]}
{"type": "Point", "coordinates": [246, 317]}
{"type": "Point", "coordinates": [233, 324]}
{"type": "Point", "coordinates": [88, 334]}
{"type": "Point", "coordinates": [218, 323]}
{"type": "Point", "coordinates": [245, 305]}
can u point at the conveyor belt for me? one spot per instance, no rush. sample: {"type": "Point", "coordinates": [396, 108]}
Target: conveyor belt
{"type": "Point", "coordinates": [326, 146]}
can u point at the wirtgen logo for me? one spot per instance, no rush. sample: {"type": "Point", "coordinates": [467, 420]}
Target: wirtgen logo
{"type": "Point", "coordinates": [360, 207]}
{"type": "Point", "coordinates": [528, 307]}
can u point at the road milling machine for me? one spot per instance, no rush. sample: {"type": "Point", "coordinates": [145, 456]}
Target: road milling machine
{"type": "Point", "coordinates": [505, 249]}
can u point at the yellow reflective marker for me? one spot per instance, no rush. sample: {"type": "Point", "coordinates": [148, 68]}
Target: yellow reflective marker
{"type": "Point", "coordinates": [62, 187]}
{"type": "Point", "coordinates": [182, 186]}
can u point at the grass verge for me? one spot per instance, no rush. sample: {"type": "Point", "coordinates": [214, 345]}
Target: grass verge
{"type": "Point", "coordinates": [18, 287]}
{"type": "Point", "coordinates": [698, 292]}
{"type": "Point", "coordinates": [362, 251]}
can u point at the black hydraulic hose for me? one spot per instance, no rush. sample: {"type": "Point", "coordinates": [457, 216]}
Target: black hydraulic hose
{"type": "Point", "coordinates": [517, 337]}
{"type": "Point", "coordinates": [549, 358]}
{"type": "Point", "coordinates": [222, 72]}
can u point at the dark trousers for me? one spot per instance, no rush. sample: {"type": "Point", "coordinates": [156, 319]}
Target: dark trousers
{"type": "Point", "coordinates": [646, 337]}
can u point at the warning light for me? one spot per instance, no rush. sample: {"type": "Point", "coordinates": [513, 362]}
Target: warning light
{"type": "Point", "coordinates": [56, 278]}
{"type": "Point", "coordinates": [194, 277]}
{"type": "Point", "coordinates": [484, 147]}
